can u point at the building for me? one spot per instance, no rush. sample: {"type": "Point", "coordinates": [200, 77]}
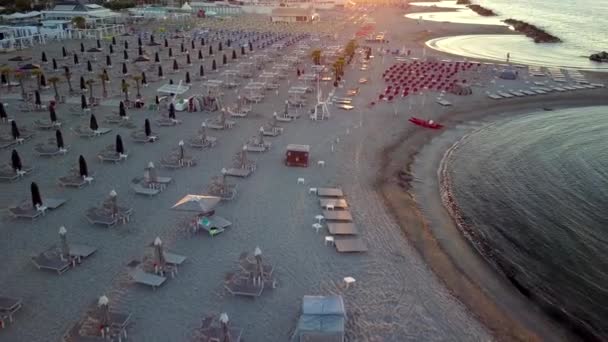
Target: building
{"type": "Point", "coordinates": [69, 9]}
{"type": "Point", "coordinates": [293, 15]}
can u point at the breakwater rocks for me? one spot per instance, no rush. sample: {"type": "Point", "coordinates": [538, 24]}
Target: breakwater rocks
{"type": "Point", "coordinates": [539, 35]}
{"type": "Point", "coordinates": [486, 12]}
{"type": "Point", "coordinates": [601, 57]}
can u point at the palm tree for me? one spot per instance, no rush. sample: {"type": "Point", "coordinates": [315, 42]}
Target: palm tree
{"type": "Point", "coordinates": [125, 89]}
{"type": "Point", "coordinates": [89, 84]}
{"type": "Point", "coordinates": [6, 72]}
{"type": "Point", "coordinates": [68, 77]}
{"type": "Point", "coordinates": [137, 78]}
{"type": "Point", "coordinates": [316, 56]}
{"type": "Point", "coordinates": [103, 77]}
{"type": "Point", "coordinates": [53, 80]}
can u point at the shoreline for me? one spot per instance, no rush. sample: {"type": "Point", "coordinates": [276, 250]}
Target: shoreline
{"type": "Point", "coordinates": [405, 207]}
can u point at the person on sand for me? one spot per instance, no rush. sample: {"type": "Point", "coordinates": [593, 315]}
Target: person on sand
{"type": "Point", "coordinates": [508, 57]}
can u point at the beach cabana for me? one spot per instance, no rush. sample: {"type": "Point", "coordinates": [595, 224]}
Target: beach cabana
{"type": "Point", "coordinates": [323, 319]}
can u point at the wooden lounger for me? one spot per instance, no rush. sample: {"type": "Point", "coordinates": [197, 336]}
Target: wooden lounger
{"type": "Point", "coordinates": [74, 181]}
{"type": "Point", "coordinates": [47, 261]}
{"type": "Point", "coordinates": [18, 212]}
{"type": "Point", "coordinates": [338, 203]}
{"type": "Point", "coordinates": [49, 150]}
{"type": "Point", "coordinates": [94, 216]}
{"type": "Point", "coordinates": [8, 307]}
{"type": "Point", "coordinates": [81, 251]}
{"type": "Point", "coordinates": [244, 287]}
{"type": "Point", "coordinates": [350, 245]}
{"type": "Point", "coordinates": [141, 190]}
{"type": "Point", "coordinates": [238, 172]}
{"type": "Point", "coordinates": [342, 228]}
{"type": "Point", "coordinates": [150, 279]}
{"type": "Point", "coordinates": [197, 142]}
{"type": "Point", "coordinates": [330, 192]}
{"type": "Point", "coordinates": [337, 215]}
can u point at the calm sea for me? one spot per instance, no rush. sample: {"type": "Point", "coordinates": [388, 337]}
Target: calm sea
{"type": "Point", "coordinates": [535, 191]}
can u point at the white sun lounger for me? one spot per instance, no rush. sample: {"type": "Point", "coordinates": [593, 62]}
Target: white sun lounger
{"type": "Point", "coordinates": [149, 279]}
{"type": "Point", "coordinates": [505, 95]}
{"type": "Point", "coordinates": [494, 96]}
{"type": "Point", "coordinates": [444, 103]}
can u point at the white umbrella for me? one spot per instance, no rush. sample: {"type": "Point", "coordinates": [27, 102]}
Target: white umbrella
{"type": "Point", "coordinates": [199, 203]}
{"type": "Point", "coordinates": [65, 248]}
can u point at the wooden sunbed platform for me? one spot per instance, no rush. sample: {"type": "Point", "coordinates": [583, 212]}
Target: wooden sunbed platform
{"type": "Point", "coordinates": [337, 215]}
{"type": "Point", "coordinates": [149, 279]}
{"type": "Point", "coordinates": [342, 228]}
{"type": "Point", "coordinates": [244, 287]}
{"type": "Point", "coordinates": [51, 261]}
{"type": "Point", "coordinates": [234, 172]}
{"type": "Point", "coordinates": [338, 203]}
{"type": "Point", "coordinates": [350, 245]}
{"type": "Point", "coordinates": [330, 192]}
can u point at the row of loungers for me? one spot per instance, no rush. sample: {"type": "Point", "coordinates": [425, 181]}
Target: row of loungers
{"type": "Point", "coordinates": [339, 221]}
{"type": "Point", "coordinates": [541, 90]}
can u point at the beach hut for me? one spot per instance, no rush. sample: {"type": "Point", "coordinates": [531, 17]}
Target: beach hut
{"type": "Point", "coordinates": [323, 319]}
{"type": "Point", "coordinates": [297, 155]}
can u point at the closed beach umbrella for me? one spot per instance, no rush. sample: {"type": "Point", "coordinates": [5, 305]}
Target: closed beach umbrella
{"type": "Point", "coordinates": [89, 66]}
{"type": "Point", "coordinates": [250, 46]}
{"type": "Point", "coordinates": [82, 167]}
{"type": "Point", "coordinates": [181, 149]}
{"type": "Point", "coordinates": [113, 40]}
{"type": "Point", "coordinates": [188, 59]}
{"type": "Point", "coordinates": [83, 102]}
{"type": "Point", "coordinates": [59, 139]}
{"type": "Point", "coordinates": [83, 85]}
{"type": "Point", "coordinates": [220, 47]}
{"type": "Point", "coordinates": [15, 130]}
{"type": "Point", "coordinates": [160, 71]}
{"type": "Point", "coordinates": [126, 45]}
{"type": "Point", "coordinates": [225, 330]}
{"type": "Point", "coordinates": [124, 69]}
{"type": "Point", "coordinates": [203, 131]}
{"type": "Point", "coordinates": [81, 47]}
{"type": "Point", "coordinates": [147, 128]}
{"type": "Point", "coordinates": [156, 100]}
{"type": "Point", "coordinates": [151, 38]}
{"type": "Point", "coordinates": [171, 111]}
{"type": "Point", "coordinates": [228, 42]}
{"type": "Point", "coordinates": [140, 51]}
{"type": "Point", "coordinates": [200, 54]}
{"type": "Point", "coordinates": [242, 50]}
{"type": "Point", "coordinates": [44, 60]}
{"type": "Point", "coordinates": [156, 58]}
{"type": "Point", "coordinates": [152, 176]}
{"type": "Point", "coordinates": [257, 253]}
{"type": "Point", "coordinates": [170, 81]}
{"type": "Point", "coordinates": [120, 149]}
{"type": "Point", "coordinates": [108, 60]}
{"type": "Point", "coordinates": [166, 43]}
{"type": "Point", "coordinates": [98, 44]}
{"type": "Point", "coordinates": [233, 54]}
{"type": "Point", "coordinates": [187, 77]}
{"type": "Point", "coordinates": [192, 44]}
{"type": "Point", "coordinates": [175, 66]}
{"type": "Point", "coordinates": [52, 114]}
{"type": "Point", "coordinates": [42, 80]}
{"type": "Point", "coordinates": [261, 136]}
{"type": "Point", "coordinates": [202, 41]}
{"type": "Point", "coordinates": [213, 65]}
{"type": "Point", "coordinates": [286, 112]}
{"type": "Point", "coordinates": [64, 53]}
{"type": "Point", "coordinates": [201, 71]}
{"type": "Point", "coordinates": [170, 52]}
{"type": "Point", "coordinates": [65, 248]}
{"type": "Point", "coordinates": [111, 49]}
{"type": "Point", "coordinates": [181, 47]}
{"type": "Point", "coordinates": [121, 110]}
{"type": "Point", "coordinates": [210, 50]}
{"type": "Point", "coordinates": [104, 315]}
{"type": "Point", "coordinates": [76, 59]}
{"type": "Point", "coordinates": [3, 115]}
{"type": "Point", "coordinates": [224, 59]}
{"type": "Point", "coordinates": [159, 254]}
{"type": "Point", "coordinates": [139, 43]}
{"type": "Point", "coordinates": [16, 161]}
{"type": "Point", "coordinates": [36, 198]}
{"type": "Point", "coordinates": [144, 80]}
{"type": "Point", "coordinates": [125, 55]}
{"type": "Point", "coordinates": [37, 99]}
{"type": "Point", "coordinates": [54, 64]}
{"type": "Point", "coordinates": [93, 123]}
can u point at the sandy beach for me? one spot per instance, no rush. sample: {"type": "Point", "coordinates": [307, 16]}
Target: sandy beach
{"type": "Point", "coordinates": [409, 286]}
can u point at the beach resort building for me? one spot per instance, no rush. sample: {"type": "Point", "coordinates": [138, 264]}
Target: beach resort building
{"type": "Point", "coordinates": [293, 15]}
{"type": "Point", "coordinates": [93, 13]}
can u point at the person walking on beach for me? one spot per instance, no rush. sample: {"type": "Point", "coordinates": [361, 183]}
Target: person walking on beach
{"type": "Point", "coordinates": [508, 56]}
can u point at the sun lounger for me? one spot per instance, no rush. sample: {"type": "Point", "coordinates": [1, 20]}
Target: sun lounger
{"type": "Point", "coordinates": [341, 228]}
{"type": "Point", "coordinates": [337, 215]}
{"type": "Point", "coordinates": [139, 276]}
{"type": "Point", "coordinates": [8, 307]}
{"type": "Point", "coordinates": [516, 93]}
{"type": "Point", "coordinates": [216, 333]}
{"type": "Point", "coordinates": [197, 142]}
{"type": "Point", "coordinates": [8, 174]}
{"type": "Point", "coordinates": [46, 124]}
{"type": "Point", "coordinates": [272, 131]}
{"type": "Point", "coordinates": [330, 192]}
{"type": "Point", "coordinates": [559, 89]}
{"type": "Point", "coordinates": [284, 118]}
{"type": "Point", "coordinates": [6, 141]}
{"type": "Point", "coordinates": [529, 93]}
{"type": "Point", "coordinates": [108, 155]}
{"type": "Point", "coordinates": [81, 251]}
{"type": "Point", "coordinates": [345, 107]}
{"type": "Point", "coordinates": [244, 287]}
{"type": "Point", "coordinates": [74, 181]}
{"type": "Point", "coordinates": [166, 122]}
{"type": "Point", "coordinates": [142, 190]}
{"type": "Point", "coordinates": [350, 245]}
{"type": "Point", "coordinates": [335, 203]}
{"type": "Point", "coordinates": [174, 259]}
{"type": "Point", "coordinates": [213, 224]}
{"type": "Point", "coordinates": [238, 172]}
{"type": "Point", "coordinates": [216, 125]}
{"type": "Point", "coordinates": [444, 103]}
{"type": "Point", "coordinates": [19, 212]}
{"type": "Point", "coordinates": [85, 132]}
{"type": "Point", "coordinates": [505, 95]}
{"type": "Point", "coordinates": [46, 150]}
{"type": "Point", "coordinates": [51, 260]}
{"type": "Point", "coordinates": [257, 147]}
{"type": "Point", "coordinates": [141, 137]}
{"type": "Point", "coordinates": [100, 217]}
{"type": "Point", "coordinates": [172, 162]}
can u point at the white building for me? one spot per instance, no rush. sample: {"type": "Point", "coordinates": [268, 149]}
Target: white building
{"type": "Point", "coordinates": [67, 10]}
{"type": "Point", "coordinates": [293, 15]}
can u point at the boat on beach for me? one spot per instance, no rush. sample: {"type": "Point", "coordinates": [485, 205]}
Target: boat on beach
{"type": "Point", "coordinates": [425, 123]}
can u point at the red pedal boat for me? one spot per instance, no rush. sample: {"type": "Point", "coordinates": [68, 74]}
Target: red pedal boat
{"type": "Point", "coordinates": [425, 123]}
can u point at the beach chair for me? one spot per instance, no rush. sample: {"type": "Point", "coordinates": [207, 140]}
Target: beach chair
{"type": "Point", "coordinates": [46, 125]}
{"type": "Point", "coordinates": [8, 174]}
{"type": "Point", "coordinates": [50, 150]}
{"type": "Point", "coordinates": [239, 286]}
{"type": "Point", "coordinates": [350, 245]}
{"type": "Point", "coordinates": [173, 162]}
{"type": "Point", "coordinates": [109, 155]}
{"type": "Point", "coordinates": [102, 217]}
{"type": "Point", "coordinates": [51, 260]}
{"type": "Point", "coordinates": [215, 124]}
{"type": "Point", "coordinates": [7, 141]}
{"type": "Point", "coordinates": [141, 137]}
{"type": "Point", "coordinates": [74, 180]}
{"type": "Point", "coordinates": [166, 122]}
{"type": "Point", "coordinates": [24, 212]}
{"type": "Point", "coordinates": [238, 172]}
{"type": "Point", "coordinates": [136, 185]}
{"type": "Point", "coordinates": [8, 307]}
{"type": "Point", "coordinates": [150, 279]}
{"type": "Point", "coordinates": [199, 142]}
{"type": "Point", "coordinates": [83, 132]}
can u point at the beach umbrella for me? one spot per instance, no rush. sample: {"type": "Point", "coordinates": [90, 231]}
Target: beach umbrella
{"type": "Point", "coordinates": [156, 58]}
{"type": "Point", "coordinates": [119, 146]}
{"type": "Point", "coordinates": [111, 49]}
{"type": "Point", "coordinates": [89, 66]}
{"type": "Point", "coordinates": [151, 38]}
{"type": "Point", "coordinates": [81, 47]}
{"type": "Point", "coordinates": [104, 315]}
{"type": "Point", "coordinates": [187, 77]}
{"type": "Point", "coordinates": [175, 66]}
{"type": "Point", "coordinates": [210, 50]}
{"type": "Point", "coordinates": [76, 59]}
{"type": "Point", "coordinates": [3, 115]}
{"type": "Point", "coordinates": [140, 51]}
{"type": "Point", "coordinates": [139, 43]}
{"type": "Point", "coordinates": [170, 52]}
{"type": "Point", "coordinates": [181, 47]}
{"type": "Point", "coordinates": [156, 100]}
{"type": "Point", "coordinates": [93, 123]}
{"type": "Point", "coordinates": [233, 54]}
{"type": "Point", "coordinates": [261, 136]}
{"type": "Point", "coordinates": [125, 55]}
{"type": "Point", "coordinates": [42, 80]}
{"type": "Point", "coordinates": [220, 47]}
{"type": "Point", "coordinates": [166, 43]}
{"type": "Point", "coordinates": [63, 52]}
{"type": "Point", "coordinates": [152, 176]}
{"type": "Point", "coordinates": [108, 60]}
{"type": "Point", "coordinates": [160, 70]}
{"type": "Point", "coordinates": [171, 111]}
{"type": "Point", "coordinates": [203, 131]}
{"type": "Point", "coordinates": [124, 69]}
{"type": "Point", "coordinates": [200, 54]}
{"type": "Point", "coordinates": [228, 42]}
{"type": "Point", "coordinates": [52, 114]}
{"type": "Point", "coordinates": [286, 111]}
{"type": "Point", "coordinates": [198, 203]}
{"type": "Point", "coordinates": [59, 139]}
{"type": "Point", "coordinates": [257, 253]}
{"type": "Point", "coordinates": [83, 85]}
{"type": "Point", "coordinates": [43, 59]}
{"type": "Point", "coordinates": [65, 248]}
{"type": "Point", "coordinates": [126, 45]}
{"type": "Point", "coordinates": [202, 41]}
{"type": "Point", "coordinates": [15, 130]}
{"type": "Point", "coordinates": [159, 254]}
{"type": "Point", "coordinates": [54, 64]}
{"type": "Point", "coordinates": [37, 100]}
{"type": "Point", "coordinates": [36, 198]}
{"type": "Point", "coordinates": [16, 161]}
{"type": "Point", "coordinates": [122, 110]}
{"type": "Point", "coordinates": [225, 330]}
{"type": "Point", "coordinates": [98, 44]}
{"type": "Point", "coordinates": [188, 59]}
{"type": "Point", "coordinates": [192, 44]}
{"type": "Point", "coordinates": [82, 167]}
{"type": "Point", "coordinates": [83, 102]}
{"type": "Point", "coordinates": [113, 40]}
{"type": "Point", "coordinates": [170, 81]}
{"type": "Point", "coordinates": [250, 46]}
{"type": "Point", "coordinates": [144, 80]}
{"type": "Point", "coordinates": [147, 128]}
{"type": "Point", "coordinates": [181, 149]}
{"type": "Point", "coordinates": [242, 50]}
{"type": "Point", "coordinates": [213, 65]}
{"type": "Point", "coordinates": [224, 59]}
{"type": "Point", "coordinates": [201, 71]}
